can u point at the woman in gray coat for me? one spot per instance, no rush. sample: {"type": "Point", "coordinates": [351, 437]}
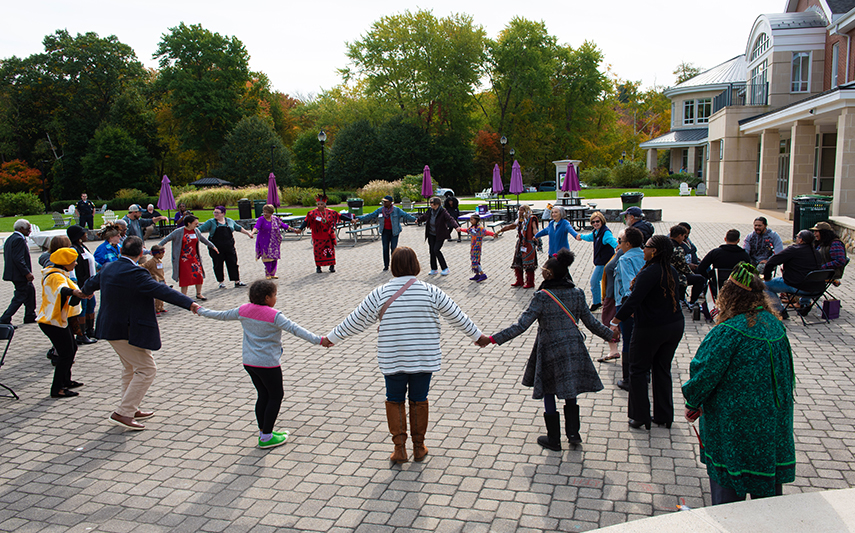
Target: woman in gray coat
{"type": "Point", "coordinates": [186, 262]}
{"type": "Point", "coordinates": [559, 364]}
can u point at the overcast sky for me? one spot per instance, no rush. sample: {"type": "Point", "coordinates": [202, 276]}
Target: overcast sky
{"type": "Point", "coordinates": [299, 45]}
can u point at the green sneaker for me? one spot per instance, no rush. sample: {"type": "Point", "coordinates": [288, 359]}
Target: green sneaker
{"type": "Point", "coordinates": [275, 440]}
{"type": "Point", "coordinates": [281, 433]}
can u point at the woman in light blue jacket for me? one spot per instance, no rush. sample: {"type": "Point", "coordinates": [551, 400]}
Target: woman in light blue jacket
{"type": "Point", "coordinates": [558, 229]}
{"type": "Point", "coordinates": [388, 217]}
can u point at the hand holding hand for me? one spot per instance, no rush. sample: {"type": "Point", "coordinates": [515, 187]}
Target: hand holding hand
{"type": "Point", "coordinates": [82, 295]}
{"type": "Point", "coordinates": [483, 341]}
{"type": "Point", "coordinates": [615, 333]}
{"type": "Point", "coordinates": [325, 342]}
{"type": "Point", "coordinates": [692, 414]}
{"type": "Point", "coordinates": [30, 277]}
{"type": "Point", "coordinates": [578, 237]}
{"type": "Point", "coordinates": [195, 308]}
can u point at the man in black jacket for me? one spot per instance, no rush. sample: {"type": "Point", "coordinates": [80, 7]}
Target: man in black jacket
{"type": "Point", "coordinates": [725, 257]}
{"type": "Point", "coordinates": [634, 219]}
{"type": "Point", "coordinates": [797, 260]}
{"type": "Point", "coordinates": [19, 270]}
{"type": "Point", "coordinates": [127, 321]}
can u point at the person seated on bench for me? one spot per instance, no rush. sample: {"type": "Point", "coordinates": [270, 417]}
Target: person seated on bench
{"type": "Point", "coordinates": [797, 260]}
{"type": "Point", "coordinates": [388, 217]}
{"type": "Point", "coordinates": [832, 253]}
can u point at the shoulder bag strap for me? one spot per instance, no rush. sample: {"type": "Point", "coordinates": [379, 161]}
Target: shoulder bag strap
{"type": "Point", "coordinates": [392, 299]}
{"type": "Point", "coordinates": [562, 306]}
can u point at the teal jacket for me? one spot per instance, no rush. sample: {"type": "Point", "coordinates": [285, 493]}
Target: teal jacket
{"type": "Point", "coordinates": [397, 215]}
{"type": "Point", "coordinates": [742, 379]}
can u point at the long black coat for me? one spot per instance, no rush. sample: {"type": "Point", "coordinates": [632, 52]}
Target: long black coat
{"type": "Point", "coordinates": [444, 223]}
{"type": "Point", "coordinates": [559, 363]}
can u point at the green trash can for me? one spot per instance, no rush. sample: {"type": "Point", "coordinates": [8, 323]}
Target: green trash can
{"type": "Point", "coordinates": [355, 206]}
{"type": "Point", "coordinates": [631, 199]}
{"type": "Point", "coordinates": [259, 207]}
{"type": "Point", "coordinates": [809, 209]}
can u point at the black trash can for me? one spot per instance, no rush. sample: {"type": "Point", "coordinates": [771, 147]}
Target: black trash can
{"type": "Point", "coordinates": [259, 206]}
{"type": "Point", "coordinates": [355, 206]}
{"type": "Point", "coordinates": [631, 199]}
{"type": "Point", "coordinates": [244, 209]}
{"type": "Point", "coordinates": [809, 209]}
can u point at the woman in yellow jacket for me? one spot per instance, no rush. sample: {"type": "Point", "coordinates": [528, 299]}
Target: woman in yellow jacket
{"type": "Point", "coordinates": [60, 302]}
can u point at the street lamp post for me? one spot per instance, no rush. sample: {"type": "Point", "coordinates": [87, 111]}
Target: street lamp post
{"type": "Point", "coordinates": [322, 137]}
{"type": "Point", "coordinates": [272, 166]}
{"type": "Point", "coordinates": [503, 141]}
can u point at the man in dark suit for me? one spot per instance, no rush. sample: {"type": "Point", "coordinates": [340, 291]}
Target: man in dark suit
{"type": "Point", "coordinates": [126, 320]}
{"type": "Point", "coordinates": [19, 270]}
{"type": "Point", "coordinates": [85, 210]}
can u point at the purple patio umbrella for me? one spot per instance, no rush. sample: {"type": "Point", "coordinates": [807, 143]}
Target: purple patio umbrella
{"type": "Point", "coordinates": [272, 191]}
{"type": "Point", "coordinates": [571, 180]}
{"type": "Point", "coordinates": [498, 186]}
{"type": "Point", "coordinates": [516, 186]}
{"type": "Point", "coordinates": [427, 184]}
{"type": "Point", "coordinates": [165, 200]}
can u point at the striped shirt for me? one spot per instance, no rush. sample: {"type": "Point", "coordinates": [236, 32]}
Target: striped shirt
{"type": "Point", "coordinates": [408, 341]}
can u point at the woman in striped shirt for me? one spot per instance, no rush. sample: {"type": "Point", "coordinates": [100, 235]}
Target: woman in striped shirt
{"type": "Point", "coordinates": [408, 349]}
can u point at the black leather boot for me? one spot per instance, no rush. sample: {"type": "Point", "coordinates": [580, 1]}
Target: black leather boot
{"type": "Point", "coordinates": [552, 439]}
{"type": "Point", "coordinates": [572, 424]}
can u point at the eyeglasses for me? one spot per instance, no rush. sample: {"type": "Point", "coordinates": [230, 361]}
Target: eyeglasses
{"type": "Point", "coordinates": [647, 246]}
{"type": "Point", "coordinates": [596, 221]}
{"type": "Point", "coordinates": [619, 241]}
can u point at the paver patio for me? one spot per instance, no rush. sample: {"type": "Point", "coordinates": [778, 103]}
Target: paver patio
{"type": "Point", "coordinates": [64, 468]}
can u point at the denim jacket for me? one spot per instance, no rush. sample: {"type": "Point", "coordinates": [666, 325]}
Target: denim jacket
{"type": "Point", "coordinates": [397, 215]}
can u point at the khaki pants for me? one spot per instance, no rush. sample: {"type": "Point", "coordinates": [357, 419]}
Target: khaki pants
{"type": "Point", "coordinates": [138, 374]}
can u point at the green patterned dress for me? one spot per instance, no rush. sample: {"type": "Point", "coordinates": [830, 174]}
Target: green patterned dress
{"type": "Point", "coordinates": [742, 378]}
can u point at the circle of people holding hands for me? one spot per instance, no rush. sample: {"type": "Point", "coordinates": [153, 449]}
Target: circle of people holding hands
{"type": "Point", "coordinates": [639, 281]}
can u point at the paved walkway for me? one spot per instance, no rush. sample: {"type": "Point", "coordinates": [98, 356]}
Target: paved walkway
{"type": "Point", "coordinates": [64, 468]}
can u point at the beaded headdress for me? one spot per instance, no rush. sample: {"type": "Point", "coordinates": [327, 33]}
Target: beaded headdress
{"type": "Point", "coordinates": [742, 275]}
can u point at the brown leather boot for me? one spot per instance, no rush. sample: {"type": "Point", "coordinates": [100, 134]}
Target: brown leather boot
{"type": "Point", "coordinates": [396, 416]}
{"type": "Point", "coordinates": [529, 279]}
{"type": "Point", "coordinates": [78, 325]}
{"type": "Point", "coordinates": [418, 427]}
{"type": "Point", "coordinates": [519, 281]}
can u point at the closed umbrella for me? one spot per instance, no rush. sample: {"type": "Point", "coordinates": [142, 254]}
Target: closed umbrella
{"type": "Point", "coordinates": [498, 186]}
{"type": "Point", "coordinates": [272, 191]}
{"type": "Point", "coordinates": [516, 186]}
{"type": "Point", "coordinates": [165, 200]}
{"type": "Point", "coordinates": [427, 184]}
{"type": "Point", "coordinates": [571, 180]}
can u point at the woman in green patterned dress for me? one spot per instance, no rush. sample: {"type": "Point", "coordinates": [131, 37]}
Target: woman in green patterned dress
{"type": "Point", "coordinates": [741, 387]}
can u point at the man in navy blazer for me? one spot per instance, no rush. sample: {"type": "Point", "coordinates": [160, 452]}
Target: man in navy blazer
{"type": "Point", "coordinates": [126, 319]}
{"type": "Point", "coordinates": [19, 270]}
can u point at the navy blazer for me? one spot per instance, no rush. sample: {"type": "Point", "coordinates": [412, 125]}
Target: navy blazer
{"type": "Point", "coordinates": [17, 258]}
{"type": "Point", "coordinates": [127, 303]}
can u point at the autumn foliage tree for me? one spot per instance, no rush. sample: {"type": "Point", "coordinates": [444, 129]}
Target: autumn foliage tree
{"type": "Point", "coordinates": [16, 176]}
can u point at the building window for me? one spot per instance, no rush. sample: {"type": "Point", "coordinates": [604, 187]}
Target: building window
{"type": "Point", "coordinates": [835, 65]}
{"type": "Point", "coordinates": [721, 150]}
{"type": "Point", "coordinates": [801, 72]}
{"type": "Point", "coordinates": [760, 46]}
{"type": "Point", "coordinates": [758, 84]}
{"type": "Point", "coordinates": [704, 110]}
{"type": "Point", "coordinates": [688, 112]}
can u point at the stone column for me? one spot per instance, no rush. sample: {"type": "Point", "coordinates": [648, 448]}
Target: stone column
{"type": "Point", "coordinates": [693, 158]}
{"type": "Point", "coordinates": [766, 195]}
{"type": "Point", "coordinates": [802, 150]}
{"type": "Point", "coordinates": [652, 159]}
{"type": "Point", "coordinates": [843, 203]}
{"type": "Point", "coordinates": [712, 177]}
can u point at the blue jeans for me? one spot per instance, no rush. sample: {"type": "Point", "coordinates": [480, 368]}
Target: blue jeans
{"type": "Point", "coordinates": [389, 241]}
{"type": "Point", "coordinates": [776, 285]}
{"type": "Point", "coordinates": [596, 284]}
{"type": "Point", "coordinates": [397, 385]}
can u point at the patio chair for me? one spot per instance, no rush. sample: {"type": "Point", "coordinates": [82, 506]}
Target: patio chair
{"type": "Point", "coordinates": [101, 210]}
{"type": "Point", "coordinates": [826, 277]}
{"type": "Point", "coordinates": [685, 190]}
{"type": "Point", "coordinates": [701, 189]}
{"type": "Point", "coordinates": [109, 216]}
{"type": "Point", "coordinates": [59, 221]}
{"type": "Point", "coordinates": [69, 211]}
{"type": "Point", "coordinates": [6, 333]}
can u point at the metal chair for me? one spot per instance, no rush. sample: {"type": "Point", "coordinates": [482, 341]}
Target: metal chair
{"type": "Point", "coordinates": [826, 277]}
{"type": "Point", "coordinates": [6, 333]}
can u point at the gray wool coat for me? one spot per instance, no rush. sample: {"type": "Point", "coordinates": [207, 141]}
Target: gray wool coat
{"type": "Point", "coordinates": [559, 363]}
{"type": "Point", "coordinates": [175, 237]}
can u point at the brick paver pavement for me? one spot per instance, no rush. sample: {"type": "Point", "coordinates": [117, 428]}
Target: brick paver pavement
{"type": "Point", "coordinates": [64, 468]}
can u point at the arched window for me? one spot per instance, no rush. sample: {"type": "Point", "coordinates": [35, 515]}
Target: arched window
{"type": "Point", "coordinates": [760, 46]}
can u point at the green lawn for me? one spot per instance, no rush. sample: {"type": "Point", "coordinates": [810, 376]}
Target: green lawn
{"type": "Point", "coordinates": [45, 222]}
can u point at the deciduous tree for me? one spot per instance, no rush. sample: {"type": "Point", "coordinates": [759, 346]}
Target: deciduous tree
{"type": "Point", "coordinates": [245, 159]}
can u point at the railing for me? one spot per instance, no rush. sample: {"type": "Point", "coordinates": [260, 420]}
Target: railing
{"type": "Point", "coordinates": [742, 94]}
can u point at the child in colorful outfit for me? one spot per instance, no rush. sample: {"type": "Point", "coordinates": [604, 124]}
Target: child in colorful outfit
{"type": "Point", "coordinates": [476, 230]}
{"type": "Point", "coordinates": [154, 265]}
{"type": "Point", "coordinates": [262, 350]}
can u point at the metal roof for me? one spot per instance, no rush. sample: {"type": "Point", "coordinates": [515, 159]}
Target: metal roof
{"type": "Point", "coordinates": [789, 21]}
{"type": "Point", "coordinates": [731, 71]}
{"type": "Point", "coordinates": [678, 138]}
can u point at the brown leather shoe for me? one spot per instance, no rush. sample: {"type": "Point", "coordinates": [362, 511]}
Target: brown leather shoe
{"type": "Point", "coordinates": [125, 422]}
{"type": "Point", "coordinates": [142, 415]}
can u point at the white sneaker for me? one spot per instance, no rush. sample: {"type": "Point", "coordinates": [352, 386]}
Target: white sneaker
{"type": "Point", "coordinates": [222, 285]}
{"type": "Point", "coordinates": [444, 272]}
{"type": "Point", "coordinates": [432, 273]}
